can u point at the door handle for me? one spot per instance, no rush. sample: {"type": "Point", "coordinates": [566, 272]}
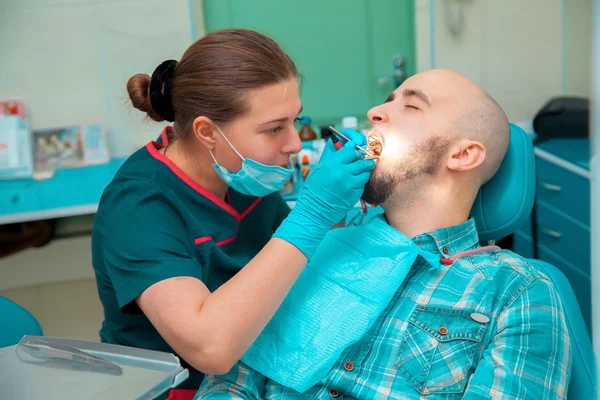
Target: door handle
{"type": "Point", "coordinates": [398, 75]}
{"type": "Point", "coordinates": [399, 70]}
{"type": "Point", "coordinates": [551, 233]}
{"type": "Point", "coordinates": [549, 186]}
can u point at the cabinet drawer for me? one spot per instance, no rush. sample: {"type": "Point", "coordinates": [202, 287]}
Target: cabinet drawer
{"type": "Point", "coordinates": [564, 190]}
{"type": "Point", "coordinates": [18, 198]}
{"type": "Point", "coordinates": [73, 187]}
{"type": "Point", "coordinates": [580, 283]}
{"type": "Point", "coordinates": [523, 244]}
{"type": "Point", "coordinates": [565, 237]}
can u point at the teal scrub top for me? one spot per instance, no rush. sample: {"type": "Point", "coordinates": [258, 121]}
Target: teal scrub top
{"type": "Point", "coordinates": [155, 223]}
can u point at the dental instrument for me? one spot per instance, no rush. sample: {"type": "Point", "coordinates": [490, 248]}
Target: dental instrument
{"type": "Point", "coordinates": [367, 152]}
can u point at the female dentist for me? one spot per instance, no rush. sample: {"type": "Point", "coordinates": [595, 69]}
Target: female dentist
{"type": "Point", "coordinates": [192, 246]}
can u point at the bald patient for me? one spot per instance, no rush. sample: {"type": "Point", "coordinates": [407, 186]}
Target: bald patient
{"type": "Point", "coordinates": [484, 325]}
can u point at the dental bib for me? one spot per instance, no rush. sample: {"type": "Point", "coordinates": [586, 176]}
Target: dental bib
{"type": "Point", "coordinates": [347, 285]}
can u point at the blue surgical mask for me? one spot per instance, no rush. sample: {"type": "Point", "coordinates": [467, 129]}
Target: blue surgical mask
{"type": "Point", "coordinates": [254, 179]}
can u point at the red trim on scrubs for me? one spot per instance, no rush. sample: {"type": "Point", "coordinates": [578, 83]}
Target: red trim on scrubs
{"type": "Point", "coordinates": [164, 137]}
{"type": "Point", "coordinates": [250, 208]}
{"type": "Point", "coordinates": [153, 148]}
{"type": "Point", "coordinates": [205, 239]}
{"type": "Point", "coordinates": [226, 241]}
{"type": "Point", "coordinates": [202, 239]}
{"type": "Point", "coordinates": [182, 394]}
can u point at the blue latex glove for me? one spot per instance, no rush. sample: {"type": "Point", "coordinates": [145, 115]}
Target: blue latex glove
{"type": "Point", "coordinates": [357, 137]}
{"type": "Point", "coordinates": [332, 188]}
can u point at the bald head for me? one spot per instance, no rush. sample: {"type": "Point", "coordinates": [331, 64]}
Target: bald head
{"type": "Point", "coordinates": [441, 132]}
{"type": "Point", "coordinates": [471, 113]}
{"type": "Point", "coordinates": [482, 119]}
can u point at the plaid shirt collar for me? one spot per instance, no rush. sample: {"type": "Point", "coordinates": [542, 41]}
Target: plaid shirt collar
{"type": "Point", "coordinates": [449, 241]}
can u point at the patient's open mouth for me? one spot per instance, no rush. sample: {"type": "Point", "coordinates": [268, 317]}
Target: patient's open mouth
{"type": "Point", "coordinates": [375, 142]}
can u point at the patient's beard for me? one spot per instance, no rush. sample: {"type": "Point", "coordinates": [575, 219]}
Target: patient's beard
{"type": "Point", "coordinates": [402, 186]}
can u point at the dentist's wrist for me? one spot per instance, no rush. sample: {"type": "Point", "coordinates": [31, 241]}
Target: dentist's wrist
{"type": "Point", "coordinates": [308, 222]}
{"type": "Point", "coordinates": [302, 229]}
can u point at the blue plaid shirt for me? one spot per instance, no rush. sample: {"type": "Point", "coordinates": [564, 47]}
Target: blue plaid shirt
{"type": "Point", "coordinates": [487, 326]}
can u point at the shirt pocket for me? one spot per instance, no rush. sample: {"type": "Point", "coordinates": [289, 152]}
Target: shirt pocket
{"type": "Point", "coordinates": [439, 350]}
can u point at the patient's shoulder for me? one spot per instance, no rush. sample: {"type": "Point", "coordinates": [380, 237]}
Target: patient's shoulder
{"type": "Point", "coordinates": [510, 275]}
{"type": "Point", "coordinates": [506, 265]}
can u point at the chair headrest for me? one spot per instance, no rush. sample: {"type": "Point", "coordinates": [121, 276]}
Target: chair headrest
{"type": "Point", "coordinates": [505, 202]}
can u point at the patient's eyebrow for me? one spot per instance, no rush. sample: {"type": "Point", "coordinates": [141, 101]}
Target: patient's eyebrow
{"type": "Point", "coordinates": [416, 93]}
{"type": "Point", "coordinates": [390, 98]}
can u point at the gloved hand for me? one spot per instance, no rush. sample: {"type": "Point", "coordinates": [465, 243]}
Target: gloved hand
{"type": "Point", "coordinates": [357, 137]}
{"type": "Point", "coordinates": [333, 187]}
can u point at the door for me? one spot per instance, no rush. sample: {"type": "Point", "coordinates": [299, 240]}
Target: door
{"type": "Point", "coordinates": [344, 49]}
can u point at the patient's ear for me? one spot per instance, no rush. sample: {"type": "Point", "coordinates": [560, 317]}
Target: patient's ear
{"type": "Point", "coordinates": [466, 155]}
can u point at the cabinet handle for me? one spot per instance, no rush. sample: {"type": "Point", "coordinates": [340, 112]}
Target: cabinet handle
{"type": "Point", "coordinates": [551, 233]}
{"type": "Point", "coordinates": [549, 186]}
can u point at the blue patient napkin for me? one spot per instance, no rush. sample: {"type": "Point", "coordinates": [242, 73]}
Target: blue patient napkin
{"type": "Point", "coordinates": [349, 282]}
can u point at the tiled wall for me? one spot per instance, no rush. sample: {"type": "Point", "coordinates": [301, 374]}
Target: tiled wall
{"type": "Point", "coordinates": [69, 60]}
{"type": "Point", "coordinates": [513, 49]}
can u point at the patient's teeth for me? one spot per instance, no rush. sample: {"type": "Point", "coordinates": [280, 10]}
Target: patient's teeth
{"type": "Point", "coordinates": [375, 142]}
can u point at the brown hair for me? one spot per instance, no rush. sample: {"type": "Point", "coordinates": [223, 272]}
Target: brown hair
{"type": "Point", "coordinates": [211, 77]}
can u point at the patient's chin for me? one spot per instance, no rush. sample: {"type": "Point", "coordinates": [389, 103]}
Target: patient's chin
{"type": "Point", "coordinates": [378, 189]}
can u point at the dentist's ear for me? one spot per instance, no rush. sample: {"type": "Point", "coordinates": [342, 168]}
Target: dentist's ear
{"type": "Point", "coordinates": [466, 155]}
{"type": "Point", "coordinates": [205, 131]}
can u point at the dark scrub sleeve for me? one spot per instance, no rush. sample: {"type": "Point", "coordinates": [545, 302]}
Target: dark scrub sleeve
{"type": "Point", "coordinates": [145, 241]}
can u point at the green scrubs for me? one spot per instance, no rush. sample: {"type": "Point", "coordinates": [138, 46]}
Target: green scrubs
{"type": "Point", "coordinates": [155, 223]}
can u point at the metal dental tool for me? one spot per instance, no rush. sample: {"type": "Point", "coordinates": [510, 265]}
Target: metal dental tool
{"type": "Point", "coordinates": [370, 156]}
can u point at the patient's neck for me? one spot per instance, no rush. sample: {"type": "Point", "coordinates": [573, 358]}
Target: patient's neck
{"type": "Point", "coordinates": [428, 211]}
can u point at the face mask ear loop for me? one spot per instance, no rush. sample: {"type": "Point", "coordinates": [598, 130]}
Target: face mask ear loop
{"type": "Point", "coordinates": [213, 157]}
{"type": "Point", "coordinates": [229, 143]}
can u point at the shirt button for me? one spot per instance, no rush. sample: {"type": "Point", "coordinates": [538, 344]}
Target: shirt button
{"type": "Point", "coordinates": [443, 330]}
{"type": "Point", "coordinates": [446, 250]}
{"type": "Point", "coordinates": [348, 366]}
{"type": "Point", "coordinates": [333, 393]}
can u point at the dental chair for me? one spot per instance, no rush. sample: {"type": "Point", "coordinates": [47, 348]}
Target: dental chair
{"type": "Point", "coordinates": [16, 322]}
{"type": "Point", "coordinates": [501, 207]}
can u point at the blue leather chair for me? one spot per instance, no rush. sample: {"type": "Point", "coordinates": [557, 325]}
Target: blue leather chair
{"type": "Point", "coordinates": [16, 322]}
{"type": "Point", "coordinates": [501, 207]}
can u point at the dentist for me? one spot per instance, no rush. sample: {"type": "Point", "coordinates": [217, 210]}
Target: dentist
{"type": "Point", "coordinates": [193, 247]}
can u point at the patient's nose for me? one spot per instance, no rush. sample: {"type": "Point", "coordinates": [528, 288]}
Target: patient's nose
{"type": "Point", "coordinates": [377, 114]}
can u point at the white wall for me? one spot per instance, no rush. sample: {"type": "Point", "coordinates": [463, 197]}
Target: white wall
{"type": "Point", "coordinates": [511, 48]}
{"type": "Point", "coordinates": [579, 21]}
{"type": "Point", "coordinates": [70, 60]}
{"type": "Point", "coordinates": [67, 309]}
{"type": "Point", "coordinates": [56, 284]}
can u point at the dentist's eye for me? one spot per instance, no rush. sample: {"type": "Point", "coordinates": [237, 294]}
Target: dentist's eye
{"type": "Point", "coordinates": [275, 130]}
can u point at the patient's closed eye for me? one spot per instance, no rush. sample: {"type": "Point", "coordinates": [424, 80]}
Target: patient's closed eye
{"type": "Point", "coordinates": [411, 106]}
